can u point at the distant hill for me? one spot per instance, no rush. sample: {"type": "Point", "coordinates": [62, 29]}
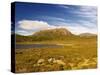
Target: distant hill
{"type": "Point", "coordinates": [54, 32]}
{"type": "Point", "coordinates": [51, 34]}
{"type": "Point", "coordinates": [58, 33]}
{"type": "Point", "coordinates": [87, 34]}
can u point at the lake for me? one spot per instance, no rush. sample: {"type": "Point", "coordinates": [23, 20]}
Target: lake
{"type": "Point", "coordinates": [26, 46]}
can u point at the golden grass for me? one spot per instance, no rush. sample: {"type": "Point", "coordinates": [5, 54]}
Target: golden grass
{"type": "Point", "coordinates": [82, 54]}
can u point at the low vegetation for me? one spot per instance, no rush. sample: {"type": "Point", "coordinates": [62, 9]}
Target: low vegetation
{"type": "Point", "coordinates": [75, 53]}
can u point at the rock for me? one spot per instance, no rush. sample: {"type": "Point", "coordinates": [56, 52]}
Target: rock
{"type": "Point", "coordinates": [50, 60]}
{"type": "Point", "coordinates": [40, 61]}
{"type": "Point", "coordinates": [59, 62]}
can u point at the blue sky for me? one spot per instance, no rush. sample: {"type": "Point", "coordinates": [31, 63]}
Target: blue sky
{"type": "Point", "coordinates": [32, 17]}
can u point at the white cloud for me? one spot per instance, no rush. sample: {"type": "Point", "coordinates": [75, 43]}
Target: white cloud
{"type": "Point", "coordinates": [28, 27]}
{"type": "Point", "coordinates": [89, 24]}
{"type": "Point", "coordinates": [88, 18]}
{"type": "Point", "coordinates": [24, 32]}
{"type": "Point", "coordinates": [87, 12]}
{"type": "Point", "coordinates": [64, 6]}
{"type": "Point", "coordinates": [32, 25]}
{"type": "Point", "coordinates": [53, 18]}
{"type": "Point", "coordinates": [80, 29]}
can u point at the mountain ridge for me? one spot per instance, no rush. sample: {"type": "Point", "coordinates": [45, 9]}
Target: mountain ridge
{"type": "Point", "coordinates": [87, 34]}
{"type": "Point", "coordinates": [51, 34]}
{"type": "Point", "coordinates": [56, 31]}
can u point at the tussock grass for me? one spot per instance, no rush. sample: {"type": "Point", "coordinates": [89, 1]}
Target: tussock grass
{"type": "Point", "coordinates": [82, 54]}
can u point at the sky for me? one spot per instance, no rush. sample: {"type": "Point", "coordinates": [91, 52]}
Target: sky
{"type": "Point", "coordinates": [33, 17]}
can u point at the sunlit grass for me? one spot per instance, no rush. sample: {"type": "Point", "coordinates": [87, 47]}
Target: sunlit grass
{"type": "Point", "coordinates": [81, 54]}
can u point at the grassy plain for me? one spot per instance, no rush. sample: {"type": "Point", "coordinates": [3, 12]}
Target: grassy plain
{"type": "Point", "coordinates": [75, 53]}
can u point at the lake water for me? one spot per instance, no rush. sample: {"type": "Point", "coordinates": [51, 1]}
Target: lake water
{"type": "Point", "coordinates": [25, 46]}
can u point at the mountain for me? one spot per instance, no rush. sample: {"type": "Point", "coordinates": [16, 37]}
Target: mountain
{"type": "Point", "coordinates": [52, 34]}
{"type": "Point", "coordinates": [87, 34]}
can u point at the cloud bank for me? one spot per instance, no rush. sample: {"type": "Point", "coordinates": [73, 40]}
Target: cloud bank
{"type": "Point", "coordinates": [29, 27]}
